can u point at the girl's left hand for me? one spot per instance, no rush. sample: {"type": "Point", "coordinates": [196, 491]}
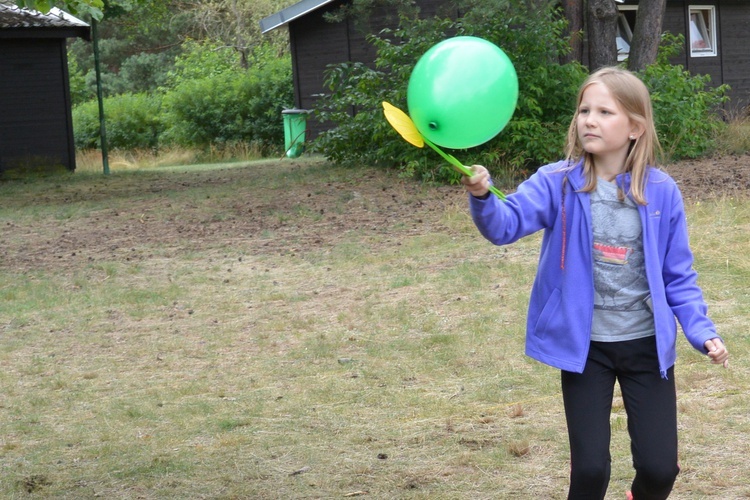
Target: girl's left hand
{"type": "Point", "coordinates": [717, 351]}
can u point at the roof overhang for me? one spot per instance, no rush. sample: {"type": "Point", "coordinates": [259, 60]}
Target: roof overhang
{"type": "Point", "coordinates": [289, 14]}
{"type": "Point", "coordinates": [16, 22]}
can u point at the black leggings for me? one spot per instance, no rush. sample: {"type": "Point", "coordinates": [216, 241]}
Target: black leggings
{"type": "Point", "coordinates": [651, 406]}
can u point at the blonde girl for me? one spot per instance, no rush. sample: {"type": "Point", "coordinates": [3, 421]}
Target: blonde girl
{"type": "Point", "coordinates": [615, 273]}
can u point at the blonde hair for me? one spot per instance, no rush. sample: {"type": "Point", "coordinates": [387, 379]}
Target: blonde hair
{"type": "Point", "coordinates": [633, 97]}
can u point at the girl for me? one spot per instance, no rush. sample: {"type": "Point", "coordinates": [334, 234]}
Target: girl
{"type": "Point", "coordinates": [615, 270]}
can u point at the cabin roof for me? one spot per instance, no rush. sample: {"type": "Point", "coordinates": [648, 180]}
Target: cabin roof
{"type": "Point", "coordinates": [291, 13]}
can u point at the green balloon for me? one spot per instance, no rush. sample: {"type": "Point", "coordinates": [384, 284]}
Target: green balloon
{"type": "Point", "coordinates": [462, 92]}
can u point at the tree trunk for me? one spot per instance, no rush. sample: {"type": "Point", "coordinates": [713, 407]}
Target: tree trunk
{"type": "Point", "coordinates": [602, 32]}
{"type": "Point", "coordinates": [647, 34]}
{"type": "Point", "coordinates": [574, 14]}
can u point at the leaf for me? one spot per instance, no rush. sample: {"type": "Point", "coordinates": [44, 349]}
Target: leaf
{"type": "Point", "coordinates": [401, 122]}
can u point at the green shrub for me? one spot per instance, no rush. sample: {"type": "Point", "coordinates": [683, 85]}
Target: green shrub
{"type": "Point", "coordinates": [202, 59]}
{"type": "Point", "coordinates": [145, 72]}
{"type": "Point", "coordinates": [534, 136]}
{"type": "Point", "coordinates": [271, 92]}
{"type": "Point", "coordinates": [685, 106]}
{"type": "Point", "coordinates": [79, 92]}
{"type": "Point", "coordinates": [132, 122]}
{"type": "Point", "coordinates": [86, 125]}
{"type": "Point", "coordinates": [230, 107]}
{"type": "Point", "coordinates": [203, 110]}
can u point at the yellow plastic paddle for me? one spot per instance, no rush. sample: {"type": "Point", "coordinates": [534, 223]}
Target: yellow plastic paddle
{"type": "Point", "coordinates": [403, 124]}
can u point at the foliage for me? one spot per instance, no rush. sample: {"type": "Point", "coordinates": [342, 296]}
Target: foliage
{"type": "Point", "coordinates": [685, 107]}
{"type": "Point", "coordinates": [93, 8]}
{"type": "Point", "coordinates": [536, 133]}
{"type": "Point", "coordinates": [366, 137]}
{"type": "Point", "coordinates": [142, 72]}
{"type": "Point", "coordinates": [139, 40]}
{"type": "Point", "coordinates": [202, 59]}
{"type": "Point", "coordinates": [208, 101]}
{"type": "Point", "coordinates": [137, 48]}
{"type": "Point", "coordinates": [132, 121]}
{"type": "Point", "coordinates": [231, 106]}
{"type": "Point", "coordinates": [79, 92]}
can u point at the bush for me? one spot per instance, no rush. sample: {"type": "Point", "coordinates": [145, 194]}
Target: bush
{"type": "Point", "coordinates": [86, 125]}
{"type": "Point", "coordinates": [79, 93]}
{"type": "Point", "coordinates": [144, 72]}
{"type": "Point", "coordinates": [202, 59]}
{"type": "Point", "coordinates": [132, 122]}
{"type": "Point", "coordinates": [685, 107]}
{"type": "Point", "coordinates": [229, 107]}
{"type": "Point", "coordinates": [534, 136]}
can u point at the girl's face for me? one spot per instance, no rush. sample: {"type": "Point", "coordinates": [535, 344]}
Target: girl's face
{"type": "Point", "coordinates": [604, 129]}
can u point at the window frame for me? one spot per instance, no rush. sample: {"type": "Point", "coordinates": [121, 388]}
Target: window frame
{"type": "Point", "coordinates": [623, 21]}
{"type": "Point", "coordinates": [707, 32]}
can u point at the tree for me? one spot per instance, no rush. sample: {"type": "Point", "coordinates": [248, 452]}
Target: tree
{"type": "Point", "coordinates": [601, 19]}
{"type": "Point", "coordinates": [647, 34]}
{"type": "Point", "coordinates": [94, 8]}
{"type": "Point", "coordinates": [573, 10]}
{"type": "Point", "coordinates": [234, 23]}
{"type": "Point", "coordinates": [601, 30]}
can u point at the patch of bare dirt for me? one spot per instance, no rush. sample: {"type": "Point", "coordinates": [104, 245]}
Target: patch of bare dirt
{"type": "Point", "coordinates": [192, 211]}
{"type": "Point", "coordinates": [713, 177]}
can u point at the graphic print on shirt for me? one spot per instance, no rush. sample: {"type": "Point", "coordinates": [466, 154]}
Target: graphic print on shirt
{"type": "Point", "coordinates": [611, 254]}
{"type": "Point", "coordinates": [619, 276]}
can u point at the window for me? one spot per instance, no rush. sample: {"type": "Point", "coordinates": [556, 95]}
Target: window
{"type": "Point", "coordinates": [702, 35]}
{"type": "Point", "coordinates": [625, 25]}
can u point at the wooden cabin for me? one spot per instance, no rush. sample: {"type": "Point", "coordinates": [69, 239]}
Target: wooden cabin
{"type": "Point", "coordinates": [36, 126]}
{"type": "Point", "coordinates": [716, 33]}
{"type": "Point", "coordinates": [717, 41]}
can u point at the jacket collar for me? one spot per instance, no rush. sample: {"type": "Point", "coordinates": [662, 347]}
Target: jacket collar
{"type": "Point", "coordinates": [577, 179]}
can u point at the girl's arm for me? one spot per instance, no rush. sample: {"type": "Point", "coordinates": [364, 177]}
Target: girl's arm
{"type": "Point", "coordinates": [532, 207]}
{"type": "Point", "coordinates": [684, 295]}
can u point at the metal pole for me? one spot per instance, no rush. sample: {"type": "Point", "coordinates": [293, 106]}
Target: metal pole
{"type": "Point", "coordinates": [100, 98]}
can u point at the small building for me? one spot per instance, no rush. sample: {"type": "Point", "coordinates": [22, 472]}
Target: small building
{"type": "Point", "coordinates": [36, 126]}
{"type": "Point", "coordinates": [716, 33]}
{"type": "Point", "coordinates": [717, 41]}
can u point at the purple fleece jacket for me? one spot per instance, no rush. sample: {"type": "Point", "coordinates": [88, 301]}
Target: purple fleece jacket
{"type": "Point", "coordinates": [561, 307]}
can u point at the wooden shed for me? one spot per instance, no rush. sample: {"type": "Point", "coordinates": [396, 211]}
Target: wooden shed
{"type": "Point", "coordinates": [717, 41]}
{"type": "Point", "coordinates": [36, 127]}
{"type": "Point", "coordinates": [716, 32]}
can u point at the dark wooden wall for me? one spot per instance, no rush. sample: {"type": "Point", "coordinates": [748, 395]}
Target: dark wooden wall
{"type": "Point", "coordinates": [36, 128]}
{"type": "Point", "coordinates": [734, 46]}
{"type": "Point", "coordinates": [731, 65]}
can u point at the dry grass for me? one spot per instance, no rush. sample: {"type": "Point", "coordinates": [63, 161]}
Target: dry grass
{"type": "Point", "coordinates": [293, 330]}
{"type": "Point", "coordinates": [90, 161]}
{"type": "Point", "coordinates": [735, 139]}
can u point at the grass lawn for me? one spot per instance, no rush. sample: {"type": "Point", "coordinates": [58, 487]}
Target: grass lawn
{"type": "Point", "coordinates": [288, 329]}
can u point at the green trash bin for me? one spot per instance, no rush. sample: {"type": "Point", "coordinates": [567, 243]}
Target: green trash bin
{"type": "Point", "coordinates": [295, 125]}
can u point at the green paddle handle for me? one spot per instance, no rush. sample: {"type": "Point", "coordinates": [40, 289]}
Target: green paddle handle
{"type": "Point", "coordinates": [461, 168]}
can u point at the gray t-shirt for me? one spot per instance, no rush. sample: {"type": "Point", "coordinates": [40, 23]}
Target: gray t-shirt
{"type": "Point", "coordinates": [622, 308]}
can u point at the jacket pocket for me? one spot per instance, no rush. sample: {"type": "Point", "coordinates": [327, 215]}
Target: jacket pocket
{"type": "Point", "coordinates": [549, 315]}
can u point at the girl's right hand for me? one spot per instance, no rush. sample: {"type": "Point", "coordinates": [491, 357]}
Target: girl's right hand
{"type": "Point", "coordinates": [717, 351]}
{"type": "Point", "coordinates": [477, 185]}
